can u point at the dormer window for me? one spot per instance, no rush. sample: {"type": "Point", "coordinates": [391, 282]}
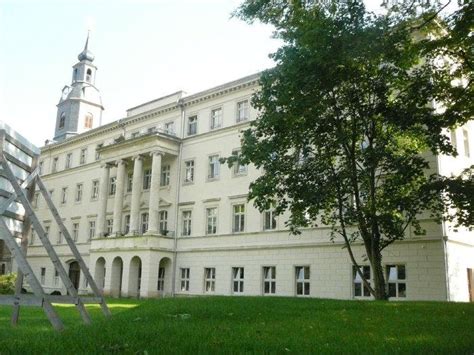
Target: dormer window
{"type": "Point", "coordinates": [62, 120]}
{"type": "Point", "coordinates": [88, 75]}
{"type": "Point", "coordinates": [89, 121]}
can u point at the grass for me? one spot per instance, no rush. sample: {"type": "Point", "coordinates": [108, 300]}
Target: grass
{"type": "Point", "coordinates": [247, 324]}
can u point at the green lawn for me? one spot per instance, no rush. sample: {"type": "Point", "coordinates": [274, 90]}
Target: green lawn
{"type": "Point", "coordinates": [247, 324]}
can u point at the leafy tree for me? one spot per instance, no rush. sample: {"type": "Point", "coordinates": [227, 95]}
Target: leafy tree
{"type": "Point", "coordinates": [349, 111]}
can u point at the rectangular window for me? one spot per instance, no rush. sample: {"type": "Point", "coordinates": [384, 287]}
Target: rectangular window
{"type": "Point", "coordinates": [32, 237]}
{"type": "Point", "coordinates": [189, 171]}
{"type": "Point", "coordinates": [209, 279]}
{"type": "Point", "coordinates": [129, 182]}
{"type": "Point", "coordinates": [239, 218]}
{"type": "Point", "coordinates": [238, 169]}
{"type": "Point", "coordinates": [109, 226]}
{"type": "Point", "coordinates": [465, 135]}
{"type": "Point", "coordinates": [211, 217]}
{"type": "Point", "coordinates": [214, 167]}
{"type": "Point", "coordinates": [79, 192]}
{"type": "Point", "coordinates": [127, 224]}
{"type": "Point", "coordinates": [269, 280]}
{"type": "Point", "coordinates": [360, 290]}
{"type": "Point", "coordinates": [192, 125]}
{"type": "Point", "coordinates": [54, 167]}
{"type": "Point", "coordinates": [161, 279]}
{"type": "Point", "coordinates": [147, 179]}
{"type": "Point", "coordinates": [237, 280]}
{"type": "Point", "coordinates": [60, 237]}
{"type": "Point", "coordinates": [269, 218]}
{"type": "Point", "coordinates": [112, 185]}
{"type": "Point", "coordinates": [43, 275]}
{"type": "Point", "coordinates": [97, 153]}
{"type": "Point", "coordinates": [163, 218]}
{"type": "Point", "coordinates": [75, 231]}
{"type": "Point", "coordinates": [242, 111]}
{"type": "Point", "coordinates": [46, 232]}
{"type": "Point", "coordinates": [165, 175]}
{"type": "Point", "coordinates": [144, 226]}
{"type": "Point", "coordinates": [184, 279]}
{"type": "Point", "coordinates": [396, 280]}
{"type": "Point", "coordinates": [169, 128]}
{"type": "Point", "coordinates": [40, 167]}
{"type": "Point", "coordinates": [95, 190]}
{"type": "Point", "coordinates": [83, 156]}
{"type": "Point", "coordinates": [186, 231]}
{"type": "Point", "coordinates": [64, 195]}
{"type": "Point", "coordinates": [216, 118]}
{"type": "Point", "coordinates": [35, 200]}
{"type": "Point", "coordinates": [91, 229]}
{"type": "Point", "coordinates": [302, 280]}
{"type": "Point", "coordinates": [68, 161]}
{"type": "Point", "coordinates": [56, 278]}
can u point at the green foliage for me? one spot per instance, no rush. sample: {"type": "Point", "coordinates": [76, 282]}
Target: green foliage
{"type": "Point", "coordinates": [347, 113]}
{"type": "Point", "coordinates": [274, 325]}
{"type": "Point", "coordinates": [7, 284]}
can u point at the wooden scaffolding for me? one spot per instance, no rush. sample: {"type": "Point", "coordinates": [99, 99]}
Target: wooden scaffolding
{"type": "Point", "coordinates": [19, 179]}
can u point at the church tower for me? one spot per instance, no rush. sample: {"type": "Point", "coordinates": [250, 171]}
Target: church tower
{"type": "Point", "coordinates": [80, 107]}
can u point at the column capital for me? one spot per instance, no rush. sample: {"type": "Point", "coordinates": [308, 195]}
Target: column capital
{"type": "Point", "coordinates": [157, 152]}
{"type": "Point", "coordinates": [105, 166]}
{"type": "Point", "coordinates": [137, 157]}
{"type": "Point", "coordinates": [121, 161]}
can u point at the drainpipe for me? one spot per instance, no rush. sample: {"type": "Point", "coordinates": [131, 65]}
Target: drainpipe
{"type": "Point", "coordinates": [178, 188]}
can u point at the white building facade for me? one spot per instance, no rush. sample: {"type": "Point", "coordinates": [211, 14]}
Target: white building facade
{"type": "Point", "coordinates": [154, 213]}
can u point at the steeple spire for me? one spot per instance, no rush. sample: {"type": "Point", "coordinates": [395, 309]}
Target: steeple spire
{"type": "Point", "coordinates": [86, 54]}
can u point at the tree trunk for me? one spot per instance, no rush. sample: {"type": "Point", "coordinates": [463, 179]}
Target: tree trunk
{"type": "Point", "coordinates": [379, 278]}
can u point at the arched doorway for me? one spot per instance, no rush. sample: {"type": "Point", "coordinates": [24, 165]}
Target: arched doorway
{"type": "Point", "coordinates": [75, 274]}
{"type": "Point", "coordinates": [99, 275]}
{"type": "Point", "coordinates": [164, 277]}
{"type": "Point", "coordinates": [134, 281]}
{"type": "Point", "coordinates": [116, 277]}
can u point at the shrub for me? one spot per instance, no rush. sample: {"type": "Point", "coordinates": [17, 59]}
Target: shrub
{"type": "Point", "coordinates": [7, 284]}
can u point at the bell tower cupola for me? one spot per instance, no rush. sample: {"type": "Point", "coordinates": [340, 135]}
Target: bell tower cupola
{"type": "Point", "coordinates": [80, 107]}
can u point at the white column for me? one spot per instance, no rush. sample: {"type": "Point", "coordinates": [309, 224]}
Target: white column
{"type": "Point", "coordinates": [118, 202]}
{"type": "Point", "coordinates": [154, 193]}
{"type": "Point", "coordinates": [104, 183]}
{"type": "Point", "coordinates": [136, 192]}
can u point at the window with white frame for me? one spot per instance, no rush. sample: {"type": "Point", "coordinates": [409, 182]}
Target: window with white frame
{"type": "Point", "coordinates": [163, 220]}
{"type": "Point", "coordinates": [169, 128]}
{"type": "Point", "coordinates": [147, 179]}
{"type": "Point", "coordinates": [396, 281]}
{"type": "Point", "coordinates": [35, 200]}
{"type": "Point", "coordinates": [209, 279]}
{"type": "Point", "coordinates": [242, 111]}
{"type": "Point", "coordinates": [360, 290]}
{"type": "Point", "coordinates": [465, 136]}
{"type": "Point", "coordinates": [97, 153]}
{"type": "Point", "coordinates": [112, 185]}
{"type": "Point", "coordinates": [109, 226]}
{"type": "Point", "coordinates": [129, 182]}
{"type": "Point", "coordinates": [60, 237]}
{"type": "Point", "coordinates": [79, 189]}
{"type": "Point", "coordinates": [46, 232]}
{"type": "Point", "coordinates": [127, 224]}
{"type": "Point", "coordinates": [192, 125]}
{"type": "Point", "coordinates": [64, 195]}
{"type": "Point", "coordinates": [54, 166]}
{"type": "Point", "coordinates": [211, 218]}
{"type": "Point", "coordinates": [32, 236]}
{"type": "Point", "coordinates": [302, 275]}
{"type": "Point", "coordinates": [189, 171]}
{"type": "Point", "coordinates": [213, 167]}
{"type": "Point", "coordinates": [83, 156]}
{"type": "Point", "coordinates": [144, 225]}
{"type": "Point", "coordinates": [184, 279]}
{"type": "Point", "coordinates": [269, 218]}
{"type": "Point", "coordinates": [269, 280]}
{"type": "Point", "coordinates": [238, 223]}
{"type": "Point", "coordinates": [161, 279]}
{"type": "Point", "coordinates": [95, 190]}
{"type": "Point", "coordinates": [75, 231]}
{"type": "Point", "coordinates": [237, 168]}
{"type": "Point", "coordinates": [216, 118]}
{"type": "Point", "coordinates": [40, 167]}
{"type": "Point", "coordinates": [186, 231]}
{"type": "Point", "coordinates": [237, 280]}
{"type": "Point", "coordinates": [91, 229]}
{"type": "Point", "coordinates": [56, 278]}
{"type": "Point", "coordinates": [68, 161]}
{"type": "Point", "coordinates": [43, 275]}
{"type": "Point", "coordinates": [165, 175]}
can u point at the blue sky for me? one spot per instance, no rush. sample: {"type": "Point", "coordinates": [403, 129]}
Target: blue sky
{"type": "Point", "coordinates": [144, 49]}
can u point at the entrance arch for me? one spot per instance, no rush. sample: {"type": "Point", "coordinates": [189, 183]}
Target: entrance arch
{"type": "Point", "coordinates": [75, 274]}
{"type": "Point", "coordinates": [134, 281]}
{"type": "Point", "coordinates": [100, 271]}
{"type": "Point", "coordinates": [116, 277]}
{"type": "Point", "coordinates": [164, 277]}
